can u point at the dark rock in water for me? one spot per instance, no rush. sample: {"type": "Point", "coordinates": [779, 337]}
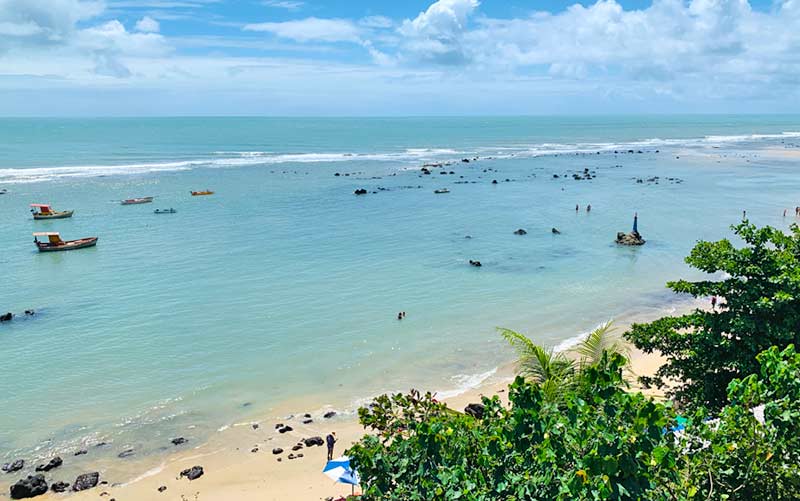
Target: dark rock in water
{"type": "Point", "coordinates": [360, 191]}
{"type": "Point", "coordinates": [520, 232]}
{"type": "Point", "coordinates": [15, 466]}
{"type": "Point", "coordinates": [494, 181]}
{"type": "Point", "coordinates": [53, 463]}
{"type": "Point", "coordinates": [312, 441]}
{"type": "Point", "coordinates": [162, 488]}
{"type": "Point", "coordinates": [290, 456]}
{"type": "Point", "coordinates": [86, 481]}
{"type": "Point", "coordinates": [465, 160]}
{"type": "Point", "coordinates": [178, 441]}
{"type": "Point", "coordinates": [126, 453]}
{"type": "Point", "coordinates": [193, 473]}
{"type": "Point", "coordinates": [308, 421]}
{"type": "Point", "coordinates": [285, 429]}
{"type": "Point", "coordinates": [329, 414]}
{"type": "Point", "coordinates": [476, 264]}
{"type": "Point", "coordinates": [306, 415]}
{"type": "Point", "coordinates": [7, 317]}
{"type": "Point", "coordinates": [59, 486]}
{"type": "Point", "coordinates": [29, 487]}
{"type": "Point", "coordinates": [101, 444]}
{"type": "Point", "coordinates": [474, 410]}
{"type": "Point", "coordinates": [30, 313]}
{"type": "Point", "coordinates": [555, 231]}
{"type": "Point", "coordinates": [632, 238]}
{"type": "Point", "coordinates": [297, 447]}
{"type": "Point", "coordinates": [255, 426]}
{"type": "Point", "coordinates": [277, 450]}
{"type": "Point", "coordinates": [254, 449]}
{"type": "Point", "coordinates": [278, 426]}
{"type": "Point", "coordinates": [81, 452]}
{"type": "Point", "coordinates": [337, 174]}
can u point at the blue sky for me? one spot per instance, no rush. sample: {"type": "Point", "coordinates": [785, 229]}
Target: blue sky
{"type": "Point", "coordinates": [434, 57]}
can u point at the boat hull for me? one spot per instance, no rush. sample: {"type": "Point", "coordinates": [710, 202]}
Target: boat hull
{"type": "Point", "coordinates": [137, 201]}
{"type": "Point", "coordinates": [202, 193]}
{"type": "Point", "coordinates": [55, 215]}
{"type": "Point", "coordinates": [67, 245]}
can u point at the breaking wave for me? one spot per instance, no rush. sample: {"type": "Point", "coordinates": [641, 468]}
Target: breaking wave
{"type": "Point", "coordinates": [407, 157]}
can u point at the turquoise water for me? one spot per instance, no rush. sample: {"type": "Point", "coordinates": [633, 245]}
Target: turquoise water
{"type": "Point", "coordinates": [285, 284]}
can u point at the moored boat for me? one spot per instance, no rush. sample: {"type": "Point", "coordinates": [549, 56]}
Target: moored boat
{"type": "Point", "coordinates": [46, 212]}
{"type": "Point", "coordinates": [165, 211]}
{"type": "Point", "coordinates": [55, 244]}
{"type": "Point", "coordinates": [201, 193]}
{"type": "Point", "coordinates": [136, 201]}
{"type": "Point", "coordinates": [441, 191]}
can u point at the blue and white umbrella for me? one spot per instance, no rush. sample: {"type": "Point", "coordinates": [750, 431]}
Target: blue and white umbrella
{"type": "Point", "coordinates": [339, 469]}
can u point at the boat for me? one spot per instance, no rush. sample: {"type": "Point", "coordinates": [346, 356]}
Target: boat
{"type": "Point", "coordinates": [54, 242]}
{"type": "Point", "coordinates": [201, 193]}
{"type": "Point", "coordinates": [165, 211]}
{"type": "Point", "coordinates": [45, 211]}
{"type": "Point", "coordinates": [137, 201]}
{"type": "Point", "coordinates": [441, 191]}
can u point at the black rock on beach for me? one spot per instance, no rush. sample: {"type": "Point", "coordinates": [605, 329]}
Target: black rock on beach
{"type": "Point", "coordinates": [86, 481]}
{"type": "Point", "coordinates": [14, 466]}
{"type": "Point", "coordinates": [29, 487]}
{"type": "Point", "coordinates": [193, 473]}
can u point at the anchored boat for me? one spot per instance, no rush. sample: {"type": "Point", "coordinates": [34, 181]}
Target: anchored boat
{"type": "Point", "coordinates": [45, 211]}
{"type": "Point", "coordinates": [201, 193]}
{"type": "Point", "coordinates": [137, 201]}
{"type": "Point", "coordinates": [165, 211]}
{"type": "Point", "coordinates": [54, 242]}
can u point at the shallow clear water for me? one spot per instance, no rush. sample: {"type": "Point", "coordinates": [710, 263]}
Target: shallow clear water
{"type": "Point", "coordinates": [284, 283]}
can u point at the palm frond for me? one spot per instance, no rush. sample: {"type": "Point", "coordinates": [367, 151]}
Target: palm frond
{"type": "Point", "coordinates": [537, 363]}
{"type": "Point", "coordinates": [591, 349]}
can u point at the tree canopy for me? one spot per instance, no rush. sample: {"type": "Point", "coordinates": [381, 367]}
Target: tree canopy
{"type": "Point", "coordinates": [758, 287]}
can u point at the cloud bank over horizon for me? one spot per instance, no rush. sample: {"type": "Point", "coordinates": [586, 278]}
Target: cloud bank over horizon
{"type": "Point", "coordinates": [90, 57]}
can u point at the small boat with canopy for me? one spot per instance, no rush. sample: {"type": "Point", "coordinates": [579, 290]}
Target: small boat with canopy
{"type": "Point", "coordinates": [54, 242]}
{"type": "Point", "coordinates": [137, 201]}
{"type": "Point", "coordinates": [45, 211]}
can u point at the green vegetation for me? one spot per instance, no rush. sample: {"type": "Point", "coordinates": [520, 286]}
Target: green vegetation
{"type": "Point", "coordinates": [572, 430]}
{"type": "Point", "coordinates": [759, 292]}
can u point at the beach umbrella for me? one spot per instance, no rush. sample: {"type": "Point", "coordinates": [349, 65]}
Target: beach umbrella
{"type": "Point", "coordinates": [339, 469]}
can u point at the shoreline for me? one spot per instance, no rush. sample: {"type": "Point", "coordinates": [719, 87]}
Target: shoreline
{"type": "Point", "coordinates": [239, 462]}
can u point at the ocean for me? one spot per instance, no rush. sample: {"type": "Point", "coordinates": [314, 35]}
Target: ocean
{"type": "Point", "coordinates": [284, 286]}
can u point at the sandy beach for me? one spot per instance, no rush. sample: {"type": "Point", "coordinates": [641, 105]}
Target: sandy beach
{"type": "Point", "coordinates": [241, 464]}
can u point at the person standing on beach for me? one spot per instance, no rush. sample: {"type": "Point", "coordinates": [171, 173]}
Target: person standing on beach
{"type": "Point", "coordinates": [330, 440]}
{"type": "Point", "coordinates": [713, 302]}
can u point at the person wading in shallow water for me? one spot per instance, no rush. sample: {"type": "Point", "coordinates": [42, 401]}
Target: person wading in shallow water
{"type": "Point", "coordinates": [330, 440]}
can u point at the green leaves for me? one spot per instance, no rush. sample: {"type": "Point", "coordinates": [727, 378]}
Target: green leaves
{"type": "Point", "coordinates": [598, 443]}
{"type": "Point", "coordinates": [759, 307]}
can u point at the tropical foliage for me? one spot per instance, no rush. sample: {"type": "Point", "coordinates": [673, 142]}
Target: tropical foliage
{"type": "Point", "coordinates": [759, 290]}
{"type": "Point", "coordinates": [601, 443]}
{"type": "Point", "coordinates": [572, 430]}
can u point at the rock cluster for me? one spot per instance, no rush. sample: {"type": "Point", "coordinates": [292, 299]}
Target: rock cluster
{"type": "Point", "coordinates": [632, 238]}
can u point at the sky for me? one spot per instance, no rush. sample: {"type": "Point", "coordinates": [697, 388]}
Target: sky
{"type": "Point", "coordinates": [400, 57]}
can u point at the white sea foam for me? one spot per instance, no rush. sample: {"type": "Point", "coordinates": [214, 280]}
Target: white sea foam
{"type": "Point", "coordinates": [465, 383]}
{"type": "Point", "coordinates": [230, 159]}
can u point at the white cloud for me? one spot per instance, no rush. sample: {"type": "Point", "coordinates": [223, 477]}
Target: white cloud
{"type": "Point", "coordinates": [437, 34]}
{"type": "Point", "coordinates": [311, 29]}
{"type": "Point", "coordinates": [43, 21]}
{"type": "Point", "coordinates": [147, 25]}
{"type": "Point", "coordinates": [379, 22]}
{"type": "Point", "coordinates": [283, 4]}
